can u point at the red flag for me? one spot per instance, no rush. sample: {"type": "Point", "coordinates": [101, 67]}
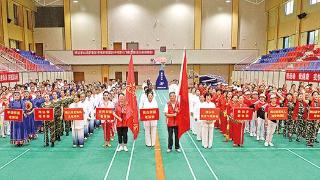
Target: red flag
{"type": "Point", "coordinates": [183, 116]}
{"type": "Point", "coordinates": [131, 99]}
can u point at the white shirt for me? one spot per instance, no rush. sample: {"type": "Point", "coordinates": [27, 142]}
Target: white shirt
{"type": "Point", "coordinates": [106, 104]}
{"type": "Point", "coordinates": [149, 105]}
{"type": "Point", "coordinates": [143, 98]}
{"type": "Point", "coordinates": [79, 124]}
{"type": "Point", "coordinates": [206, 105]}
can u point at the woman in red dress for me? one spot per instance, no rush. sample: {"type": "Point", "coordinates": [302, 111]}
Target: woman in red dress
{"type": "Point", "coordinates": [230, 108]}
{"type": "Point", "coordinates": [238, 126]}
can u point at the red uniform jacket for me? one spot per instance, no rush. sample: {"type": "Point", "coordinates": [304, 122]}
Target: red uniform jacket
{"type": "Point", "coordinates": [171, 121]}
{"type": "Point", "coordinates": [121, 112]}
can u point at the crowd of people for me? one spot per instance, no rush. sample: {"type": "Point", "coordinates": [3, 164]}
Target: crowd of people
{"type": "Point", "coordinates": [62, 94]}
{"type": "Point", "coordinates": [260, 97]}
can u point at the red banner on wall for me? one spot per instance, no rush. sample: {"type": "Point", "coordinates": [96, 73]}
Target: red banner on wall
{"type": "Point", "coordinates": [149, 114]}
{"type": "Point", "coordinates": [73, 114]}
{"type": "Point", "coordinates": [314, 113]}
{"type": "Point", "coordinates": [241, 114]}
{"type": "Point", "coordinates": [9, 77]}
{"type": "Point", "coordinates": [278, 113]}
{"type": "Point", "coordinates": [13, 114]}
{"type": "Point", "coordinates": [43, 114]}
{"type": "Point", "coordinates": [302, 76]}
{"type": "Point", "coordinates": [112, 52]}
{"type": "Point", "coordinates": [210, 114]}
{"type": "Point", "coordinates": [104, 114]}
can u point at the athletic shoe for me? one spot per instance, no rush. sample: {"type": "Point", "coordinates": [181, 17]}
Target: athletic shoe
{"type": "Point", "coordinates": [258, 138]}
{"type": "Point", "coordinates": [120, 148]}
{"type": "Point", "coordinates": [81, 146]}
{"type": "Point", "coordinates": [125, 148]}
{"type": "Point", "coordinates": [108, 145]}
{"type": "Point", "coordinates": [266, 144]}
{"type": "Point", "coordinates": [74, 146]}
{"type": "Point", "coordinates": [169, 150]}
{"type": "Point", "coordinates": [271, 144]}
{"type": "Point", "coordinates": [251, 134]}
{"type": "Point", "coordinates": [262, 139]}
{"type": "Point", "coordinates": [178, 150]}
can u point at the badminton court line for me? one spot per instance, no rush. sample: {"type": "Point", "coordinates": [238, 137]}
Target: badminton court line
{"type": "Point", "coordinates": [108, 170]}
{"type": "Point", "coordinates": [304, 159]}
{"type": "Point", "coordinates": [185, 156]}
{"type": "Point", "coordinates": [129, 165]}
{"type": "Point", "coordinates": [14, 159]}
{"type": "Point", "coordinates": [204, 159]}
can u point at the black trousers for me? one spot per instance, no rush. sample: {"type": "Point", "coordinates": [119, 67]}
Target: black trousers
{"type": "Point", "coordinates": [170, 137]}
{"type": "Point", "coordinates": [122, 135]}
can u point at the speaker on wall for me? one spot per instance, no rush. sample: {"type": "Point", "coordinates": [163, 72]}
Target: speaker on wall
{"type": "Point", "coordinates": [302, 15]}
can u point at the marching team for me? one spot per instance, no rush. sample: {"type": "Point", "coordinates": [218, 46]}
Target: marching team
{"type": "Point", "coordinates": [60, 94]}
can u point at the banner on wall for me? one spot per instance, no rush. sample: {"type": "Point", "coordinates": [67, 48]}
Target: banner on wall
{"type": "Point", "coordinates": [162, 82]}
{"type": "Point", "coordinates": [303, 76]}
{"type": "Point", "coordinates": [112, 52]}
{"type": "Point", "coordinates": [6, 77]}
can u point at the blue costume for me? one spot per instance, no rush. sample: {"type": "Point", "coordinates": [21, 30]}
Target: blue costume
{"type": "Point", "coordinates": [18, 134]}
{"type": "Point", "coordinates": [28, 120]}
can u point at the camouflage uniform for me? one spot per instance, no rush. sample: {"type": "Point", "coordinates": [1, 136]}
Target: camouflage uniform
{"type": "Point", "coordinates": [57, 119]}
{"type": "Point", "coordinates": [300, 128]}
{"type": "Point", "coordinates": [311, 129]}
{"type": "Point", "coordinates": [49, 128]}
{"type": "Point", "coordinates": [290, 124]}
{"type": "Point", "coordinates": [67, 124]}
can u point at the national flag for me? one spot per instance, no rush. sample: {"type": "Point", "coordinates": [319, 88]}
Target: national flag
{"type": "Point", "coordinates": [183, 116]}
{"type": "Point", "coordinates": [131, 100]}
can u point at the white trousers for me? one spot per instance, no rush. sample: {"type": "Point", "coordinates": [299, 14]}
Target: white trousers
{"type": "Point", "coordinates": [193, 125]}
{"type": "Point", "coordinates": [270, 131]}
{"type": "Point", "coordinates": [260, 128]}
{"type": "Point", "coordinates": [150, 133]}
{"type": "Point", "coordinates": [4, 127]}
{"type": "Point", "coordinates": [198, 129]}
{"type": "Point", "coordinates": [207, 134]}
{"type": "Point", "coordinates": [253, 128]}
{"type": "Point", "coordinates": [78, 137]}
{"type": "Point", "coordinates": [247, 126]}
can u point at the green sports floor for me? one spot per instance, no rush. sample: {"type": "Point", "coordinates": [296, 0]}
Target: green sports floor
{"type": "Point", "coordinates": [253, 161]}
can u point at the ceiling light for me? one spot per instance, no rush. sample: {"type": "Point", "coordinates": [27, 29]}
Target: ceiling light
{"type": "Point", "coordinates": [228, 1]}
{"type": "Point", "coordinates": [75, 1]}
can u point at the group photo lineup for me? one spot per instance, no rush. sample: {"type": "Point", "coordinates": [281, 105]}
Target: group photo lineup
{"type": "Point", "coordinates": [159, 89]}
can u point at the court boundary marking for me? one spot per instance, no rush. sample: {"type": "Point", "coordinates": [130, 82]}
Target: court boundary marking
{"type": "Point", "coordinates": [110, 165]}
{"type": "Point", "coordinates": [21, 154]}
{"type": "Point", "coordinates": [130, 160]}
{"type": "Point", "coordinates": [306, 160]}
{"type": "Point", "coordinates": [189, 165]}
{"type": "Point", "coordinates": [204, 159]}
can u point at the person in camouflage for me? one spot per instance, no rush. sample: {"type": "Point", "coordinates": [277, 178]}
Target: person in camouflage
{"type": "Point", "coordinates": [65, 101]}
{"type": "Point", "coordinates": [290, 123]}
{"type": "Point", "coordinates": [300, 111]}
{"type": "Point", "coordinates": [49, 126]}
{"type": "Point", "coordinates": [311, 125]}
{"type": "Point", "coordinates": [57, 115]}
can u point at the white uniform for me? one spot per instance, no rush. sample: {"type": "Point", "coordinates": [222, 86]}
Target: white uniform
{"type": "Point", "coordinates": [192, 100]}
{"type": "Point", "coordinates": [78, 126]}
{"type": "Point", "coordinates": [4, 125]}
{"type": "Point", "coordinates": [207, 127]}
{"type": "Point", "coordinates": [90, 108]}
{"type": "Point", "coordinates": [150, 127]}
{"type": "Point", "coordinates": [197, 123]}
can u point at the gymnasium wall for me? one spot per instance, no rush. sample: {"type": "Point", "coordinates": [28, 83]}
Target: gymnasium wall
{"type": "Point", "coordinates": [281, 25]}
{"type": "Point", "coordinates": [41, 36]}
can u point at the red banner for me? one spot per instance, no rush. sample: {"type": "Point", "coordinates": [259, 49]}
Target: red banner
{"type": "Point", "coordinates": [13, 114]}
{"type": "Point", "coordinates": [241, 114]}
{"type": "Point", "coordinates": [314, 113]}
{"type": "Point", "coordinates": [104, 114]}
{"type": "Point", "coordinates": [9, 77]}
{"type": "Point", "coordinates": [210, 114]}
{"type": "Point", "coordinates": [278, 113]}
{"type": "Point", "coordinates": [43, 114]}
{"type": "Point", "coordinates": [73, 114]}
{"type": "Point", "coordinates": [149, 114]}
{"type": "Point", "coordinates": [302, 76]}
{"type": "Point", "coordinates": [112, 52]}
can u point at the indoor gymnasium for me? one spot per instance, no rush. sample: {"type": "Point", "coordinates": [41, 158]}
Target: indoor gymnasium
{"type": "Point", "coordinates": [159, 89]}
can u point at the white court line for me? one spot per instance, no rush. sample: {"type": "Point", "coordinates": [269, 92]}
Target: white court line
{"type": "Point", "coordinates": [204, 159]}
{"type": "Point", "coordinates": [108, 171]}
{"type": "Point", "coordinates": [14, 159]}
{"type": "Point", "coordinates": [161, 102]}
{"type": "Point", "coordinates": [304, 159]}
{"type": "Point", "coordinates": [185, 156]}
{"type": "Point", "coordinates": [129, 165]}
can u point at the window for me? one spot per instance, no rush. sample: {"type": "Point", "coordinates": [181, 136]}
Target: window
{"type": "Point", "coordinates": [286, 42]}
{"type": "Point", "coordinates": [314, 2]}
{"type": "Point", "coordinates": [15, 14]}
{"type": "Point", "coordinates": [313, 37]}
{"type": "Point", "coordinates": [288, 8]}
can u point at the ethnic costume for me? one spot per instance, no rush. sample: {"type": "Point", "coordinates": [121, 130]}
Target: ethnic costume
{"type": "Point", "coordinates": [18, 130]}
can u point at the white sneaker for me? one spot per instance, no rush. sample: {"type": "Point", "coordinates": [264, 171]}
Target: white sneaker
{"type": "Point", "coordinates": [262, 139]}
{"type": "Point", "coordinates": [178, 150]}
{"type": "Point", "coordinates": [81, 146]}
{"type": "Point", "coordinates": [271, 144]}
{"type": "Point", "coordinates": [169, 150]}
{"type": "Point", "coordinates": [120, 148]}
{"type": "Point", "coordinates": [125, 148]}
{"type": "Point", "coordinates": [74, 146]}
{"type": "Point", "coordinates": [258, 138]}
{"type": "Point", "coordinates": [251, 134]}
{"type": "Point", "coordinates": [266, 144]}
